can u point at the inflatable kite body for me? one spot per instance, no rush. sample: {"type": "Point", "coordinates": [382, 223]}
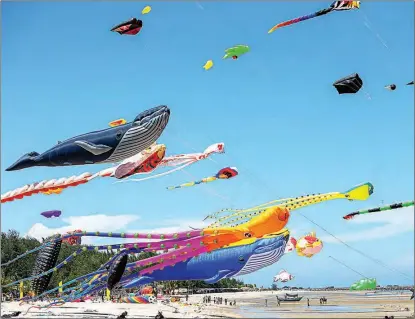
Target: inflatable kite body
{"type": "Point", "coordinates": [236, 51]}
{"type": "Point", "coordinates": [308, 245]}
{"type": "Point", "coordinates": [116, 271]}
{"type": "Point", "coordinates": [391, 87]}
{"type": "Point", "coordinates": [106, 146]}
{"type": "Point", "coordinates": [224, 173]}
{"type": "Point", "coordinates": [45, 261]}
{"type": "Point", "coordinates": [283, 276]}
{"type": "Point", "coordinates": [130, 27]}
{"type": "Point", "coordinates": [72, 240]}
{"type": "Point", "coordinates": [236, 216]}
{"type": "Point", "coordinates": [364, 284]}
{"type": "Point", "coordinates": [349, 84]}
{"type": "Point", "coordinates": [51, 213]}
{"type": "Point", "coordinates": [233, 261]}
{"type": "Point", "coordinates": [335, 6]}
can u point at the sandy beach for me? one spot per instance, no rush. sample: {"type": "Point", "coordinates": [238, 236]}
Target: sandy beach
{"type": "Point", "coordinates": [248, 305]}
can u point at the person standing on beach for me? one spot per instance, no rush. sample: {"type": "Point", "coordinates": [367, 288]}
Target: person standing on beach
{"type": "Point", "coordinates": [308, 302]}
{"type": "Point", "coordinates": [266, 302]}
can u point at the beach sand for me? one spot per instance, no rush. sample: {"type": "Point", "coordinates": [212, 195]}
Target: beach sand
{"type": "Point", "coordinates": [248, 305]}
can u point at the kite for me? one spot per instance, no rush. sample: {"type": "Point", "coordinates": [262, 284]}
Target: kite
{"type": "Point", "coordinates": [185, 244]}
{"type": "Point", "coordinates": [72, 240]}
{"type": "Point", "coordinates": [116, 270]}
{"type": "Point", "coordinates": [241, 258]}
{"type": "Point", "coordinates": [106, 146]}
{"type": "Point", "coordinates": [51, 213]}
{"type": "Point", "coordinates": [283, 276]}
{"type": "Point", "coordinates": [45, 260]}
{"type": "Point", "coordinates": [235, 216]}
{"type": "Point", "coordinates": [146, 10]}
{"type": "Point", "coordinates": [391, 87]}
{"type": "Point", "coordinates": [236, 51]}
{"type": "Point", "coordinates": [335, 6]}
{"type": "Point", "coordinates": [290, 245]}
{"type": "Point", "coordinates": [182, 160]}
{"type": "Point", "coordinates": [349, 84]}
{"type": "Point", "coordinates": [308, 245]}
{"type": "Point", "coordinates": [142, 163]}
{"type": "Point", "coordinates": [130, 27]}
{"type": "Point", "coordinates": [379, 209]}
{"type": "Point", "coordinates": [364, 284]}
{"type": "Point", "coordinates": [224, 173]}
{"type": "Point", "coordinates": [410, 83]}
{"type": "Point", "coordinates": [233, 261]}
{"type": "Point", "coordinates": [117, 122]}
{"type": "Point", "coordinates": [265, 220]}
{"type": "Point", "coordinates": [208, 65]}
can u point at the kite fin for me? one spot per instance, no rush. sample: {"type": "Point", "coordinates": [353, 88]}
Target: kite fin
{"type": "Point", "coordinates": [93, 148]}
{"type": "Point", "coordinates": [220, 275]}
{"type": "Point", "coordinates": [360, 192]}
{"type": "Point", "coordinates": [27, 160]}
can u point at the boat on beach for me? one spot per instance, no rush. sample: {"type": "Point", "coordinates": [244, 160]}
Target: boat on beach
{"type": "Point", "coordinates": [290, 298]}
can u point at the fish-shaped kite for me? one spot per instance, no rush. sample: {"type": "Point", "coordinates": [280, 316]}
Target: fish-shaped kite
{"type": "Point", "coordinates": [335, 6]}
{"type": "Point", "coordinates": [224, 173]}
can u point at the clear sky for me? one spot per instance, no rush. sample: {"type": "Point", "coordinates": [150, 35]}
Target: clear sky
{"type": "Point", "coordinates": [284, 125]}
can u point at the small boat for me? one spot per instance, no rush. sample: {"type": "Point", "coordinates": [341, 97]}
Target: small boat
{"type": "Point", "coordinates": [290, 298]}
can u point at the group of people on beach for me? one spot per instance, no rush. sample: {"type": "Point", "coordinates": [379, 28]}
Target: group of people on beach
{"type": "Point", "coordinates": [219, 301]}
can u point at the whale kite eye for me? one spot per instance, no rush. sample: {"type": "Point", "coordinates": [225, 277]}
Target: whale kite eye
{"type": "Point", "coordinates": [119, 135]}
{"type": "Point", "coordinates": [248, 235]}
{"type": "Point", "coordinates": [241, 258]}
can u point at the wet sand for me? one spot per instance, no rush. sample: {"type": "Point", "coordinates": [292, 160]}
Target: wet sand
{"type": "Point", "coordinates": [248, 305]}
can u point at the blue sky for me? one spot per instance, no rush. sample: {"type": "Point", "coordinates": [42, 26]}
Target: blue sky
{"type": "Point", "coordinates": [284, 125]}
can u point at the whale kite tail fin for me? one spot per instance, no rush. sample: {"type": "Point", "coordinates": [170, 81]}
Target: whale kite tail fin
{"type": "Point", "coordinates": [360, 192]}
{"type": "Point", "coordinates": [27, 160]}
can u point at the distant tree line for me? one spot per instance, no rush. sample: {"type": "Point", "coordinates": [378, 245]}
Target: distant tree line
{"type": "Point", "coordinates": [13, 245]}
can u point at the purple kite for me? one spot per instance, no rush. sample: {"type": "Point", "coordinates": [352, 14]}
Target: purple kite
{"type": "Point", "coordinates": [51, 213]}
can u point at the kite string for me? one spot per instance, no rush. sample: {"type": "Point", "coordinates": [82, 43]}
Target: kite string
{"type": "Point", "coordinates": [348, 267]}
{"type": "Point", "coordinates": [356, 250]}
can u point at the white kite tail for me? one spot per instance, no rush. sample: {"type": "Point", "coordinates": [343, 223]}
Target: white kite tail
{"type": "Point", "coordinates": [52, 186]}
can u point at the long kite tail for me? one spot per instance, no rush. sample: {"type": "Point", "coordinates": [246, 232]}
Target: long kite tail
{"type": "Point", "coordinates": [303, 18]}
{"type": "Point", "coordinates": [189, 184]}
{"type": "Point", "coordinates": [359, 192]}
{"type": "Point", "coordinates": [53, 186]}
{"type": "Point", "coordinates": [379, 209]}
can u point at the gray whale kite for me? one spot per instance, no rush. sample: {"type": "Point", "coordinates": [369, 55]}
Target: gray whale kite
{"type": "Point", "coordinates": [105, 146]}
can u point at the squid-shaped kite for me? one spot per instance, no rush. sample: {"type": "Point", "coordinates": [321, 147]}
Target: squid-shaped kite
{"type": "Point", "coordinates": [224, 173]}
{"type": "Point", "coordinates": [335, 6]}
{"type": "Point", "coordinates": [236, 216]}
{"type": "Point", "coordinates": [143, 163]}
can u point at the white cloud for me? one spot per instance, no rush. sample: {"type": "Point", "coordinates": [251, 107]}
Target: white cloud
{"type": "Point", "coordinates": [394, 222]}
{"type": "Point", "coordinates": [86, 223]}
